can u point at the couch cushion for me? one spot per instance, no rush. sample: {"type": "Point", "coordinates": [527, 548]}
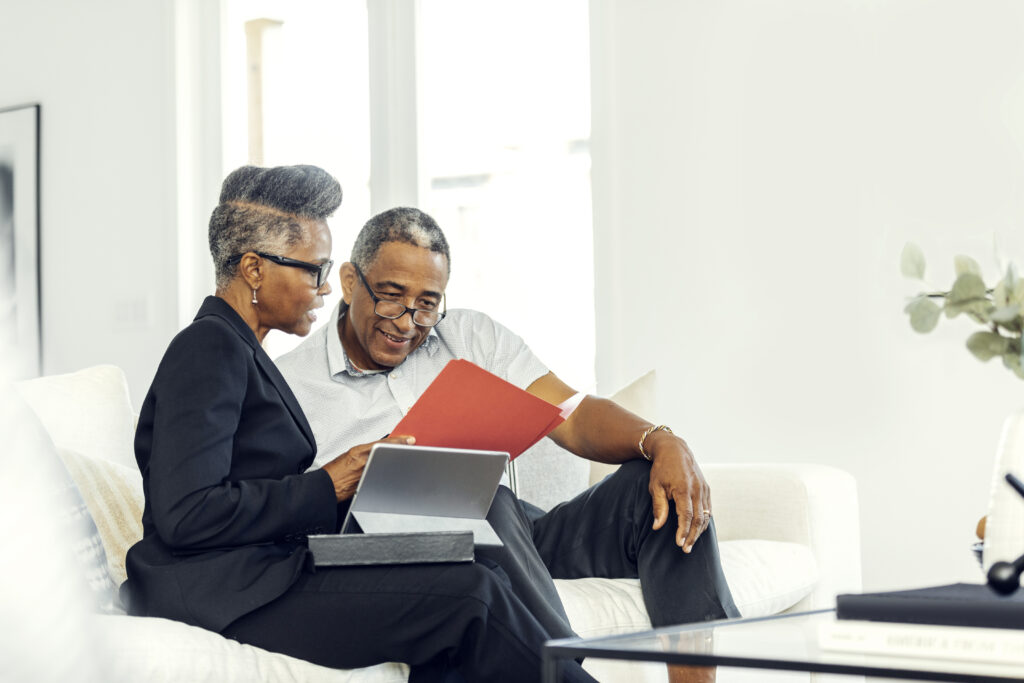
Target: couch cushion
{"type": "Point", "coordinates": [766, 577]}
{"type": "Point", "coordinates": [113, 494]}
{"type": "Point", "coordinates": [88, 411]}
{"type": "Point", "coordinates": [161, 650]}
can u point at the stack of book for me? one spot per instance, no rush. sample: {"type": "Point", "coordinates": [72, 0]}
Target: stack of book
{"type": "Point", "coordinates": [967, 622]}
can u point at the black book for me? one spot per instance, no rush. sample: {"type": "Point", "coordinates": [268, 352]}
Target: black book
{"type": "Point", "coordinates": [958, 604]}
{"type": "Point", "coordinates": [338, 550]}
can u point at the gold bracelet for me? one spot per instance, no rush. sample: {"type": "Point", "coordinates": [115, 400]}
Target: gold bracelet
{"type": "Point", "coordinates": [650, 430]}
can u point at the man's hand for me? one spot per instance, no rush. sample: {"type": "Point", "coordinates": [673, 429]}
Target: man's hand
{"type": "Point", "coordinates": [347, 469]}
{"type": "Point", "coordinates": [676, 476]}
{"type": "Point", "coordinates": [602, 431]}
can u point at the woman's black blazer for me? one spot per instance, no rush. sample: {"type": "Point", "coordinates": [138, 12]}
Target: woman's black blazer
{"type": "Point", "coordinates": [223, 449]}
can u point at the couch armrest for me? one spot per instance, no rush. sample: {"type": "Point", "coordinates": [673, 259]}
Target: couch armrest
{"type": "Point", "coordinates": [815, 505]}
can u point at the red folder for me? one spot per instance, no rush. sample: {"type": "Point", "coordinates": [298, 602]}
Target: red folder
{"type": "Point", "coordinates": [467, 407]}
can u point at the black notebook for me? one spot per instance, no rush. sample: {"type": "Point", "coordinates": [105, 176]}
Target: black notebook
{"type": "Point", "coordinates": [958, 604]}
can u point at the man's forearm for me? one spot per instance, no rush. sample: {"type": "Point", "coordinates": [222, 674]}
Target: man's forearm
{"type": "Point", "coordinates": [602, 430]}
{"type": "Point", "coordinates": [599, 429]}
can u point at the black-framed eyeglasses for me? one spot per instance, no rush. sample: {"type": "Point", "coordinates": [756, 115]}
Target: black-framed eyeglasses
{"type": "Point", "coordinates": [393, 310]}
{"type": "Point", "coordinates": [321, 270]}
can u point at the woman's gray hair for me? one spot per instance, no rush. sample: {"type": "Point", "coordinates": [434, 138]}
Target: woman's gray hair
{"type": "Point", "coordinates": [260, 209]}
{"type": "Point", "coordinates": [401, 224]}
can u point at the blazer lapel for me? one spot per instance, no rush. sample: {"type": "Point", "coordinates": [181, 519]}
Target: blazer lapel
{"type": "Point", "coordinates": [213, 305]}
{"type": "Point", "coordinates": [277, 379]}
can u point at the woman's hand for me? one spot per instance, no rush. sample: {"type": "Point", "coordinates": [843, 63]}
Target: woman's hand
{"type": "Point", "coordinates": [347, 469]}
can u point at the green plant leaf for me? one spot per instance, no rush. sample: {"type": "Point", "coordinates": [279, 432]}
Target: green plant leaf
{"type": "Point", "coordinates": [1001, 294]}
{"type": "Point", "coordinates": [1015, 295]}
{"type": "Point", "coordinates": [967, 286]}
{"type": "Point", "coordinates": [965, 264]}
{"type": "Point", "coordinates": [1005, 315]}
{"type": "Point", "coordinates": [980, 315]}
{"type": "Point", "coordinates": [968, 296]}
{"type": "Point", "coordinates": [977, 309]}
{"type": "Point", "coordinates": [1012, 280]}
{"type": "Point", "coordinates": [912, 261]}
{"type": "Point", "coordinates": [924, 314]}
{"type": "Point", "coordinates": [1009, 290]}
{"type": "Point", "coordinates": [986, 345]}
{"type": "Point", "coordinates": [1012, 361]}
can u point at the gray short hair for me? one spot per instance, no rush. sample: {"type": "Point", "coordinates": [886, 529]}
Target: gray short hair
{"type": "Point", "coordinates": [260, 208]}
{"type": "Point", "coordinates": [402, 224]}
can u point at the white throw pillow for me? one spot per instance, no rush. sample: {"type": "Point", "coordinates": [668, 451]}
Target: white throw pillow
{"type": "Point", "coordinates": [766, 577]}
{"type": "Point", "coordinates": [88, 411]}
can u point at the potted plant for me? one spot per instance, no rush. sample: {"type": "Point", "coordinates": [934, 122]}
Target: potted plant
{"type": "Point", "coordinates": [999, 309]}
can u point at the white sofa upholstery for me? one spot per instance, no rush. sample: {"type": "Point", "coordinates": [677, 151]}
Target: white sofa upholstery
{"type": "Point", "coordinates": [789, 541]}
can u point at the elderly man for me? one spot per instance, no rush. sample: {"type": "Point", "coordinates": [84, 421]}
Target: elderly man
{"type": "Point", "coordinates": [390, 337]}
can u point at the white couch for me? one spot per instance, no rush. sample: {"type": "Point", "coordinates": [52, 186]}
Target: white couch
{"type": "Point", "coordinates": [789, 537]}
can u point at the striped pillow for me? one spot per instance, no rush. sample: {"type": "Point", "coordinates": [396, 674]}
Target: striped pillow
{"type": "Point", "coordinates": [86, 545]}
{"type": "Point", "coordinates": [113, 495]}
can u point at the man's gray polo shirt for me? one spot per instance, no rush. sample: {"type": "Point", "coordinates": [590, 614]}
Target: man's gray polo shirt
{"type": "Point", "coordinates": [347, 407]}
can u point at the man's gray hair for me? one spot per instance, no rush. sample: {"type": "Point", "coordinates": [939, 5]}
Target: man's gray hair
{"type": "Point", "coordinates": [260, 209]}
{"type": "Point", "coordinates": [402, 224]}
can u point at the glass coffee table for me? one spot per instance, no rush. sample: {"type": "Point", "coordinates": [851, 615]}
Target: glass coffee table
{"type": "Point", "coordinates": [786, 642]}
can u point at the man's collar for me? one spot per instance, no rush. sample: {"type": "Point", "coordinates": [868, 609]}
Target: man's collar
{"type": "Point", "coordinates": [338, 361]}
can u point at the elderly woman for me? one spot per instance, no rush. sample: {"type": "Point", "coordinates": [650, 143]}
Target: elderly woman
{"type": "Point", "coordinates": [224, 449]}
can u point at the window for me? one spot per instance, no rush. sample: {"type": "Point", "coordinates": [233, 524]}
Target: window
{"type": "Point", "coordinates": [307, 63]}
{"type": "Point", "coordinates": [504, 103]}
{"type": "Point", "coordinates": [481, 116]}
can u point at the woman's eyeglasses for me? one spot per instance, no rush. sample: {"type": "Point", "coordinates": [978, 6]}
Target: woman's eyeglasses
{"type": "Point", "coordinates": [321, 270]}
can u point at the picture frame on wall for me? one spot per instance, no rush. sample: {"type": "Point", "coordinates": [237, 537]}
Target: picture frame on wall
{"type": "Point", "coordinates": [20, 302]}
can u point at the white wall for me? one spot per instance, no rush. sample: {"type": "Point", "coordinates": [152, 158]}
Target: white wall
{"type": "Point", "coordinates": [757, 170]}
{"type": "Point", "coordinates": [105, 75]}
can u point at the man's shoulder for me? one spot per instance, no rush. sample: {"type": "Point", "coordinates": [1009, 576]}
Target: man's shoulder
{"type": "Point", "coordinates": [478, 337]}
{"type": "Point", "coordinates": [310, 352]}
{"type": "Point", "coordinates": [465, 320]}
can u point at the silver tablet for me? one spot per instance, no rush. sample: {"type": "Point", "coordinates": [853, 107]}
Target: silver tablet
{"type": "Point", "coordinates": [426, 488]}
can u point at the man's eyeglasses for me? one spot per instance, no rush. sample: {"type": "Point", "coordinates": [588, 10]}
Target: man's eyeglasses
{"type": "Point", "coordinates": [393, 310]}
{"type": "Point", "coordinates": [321, 270]}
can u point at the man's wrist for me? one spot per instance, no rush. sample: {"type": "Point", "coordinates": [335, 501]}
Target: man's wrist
{"type": "Point", "coordinates": [646, 450]}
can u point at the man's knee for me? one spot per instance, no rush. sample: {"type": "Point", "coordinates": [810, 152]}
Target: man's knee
{"type": "Point", "coordinates": [636, 469]}
{"type": "Point", "coordinates": [633, 476]}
